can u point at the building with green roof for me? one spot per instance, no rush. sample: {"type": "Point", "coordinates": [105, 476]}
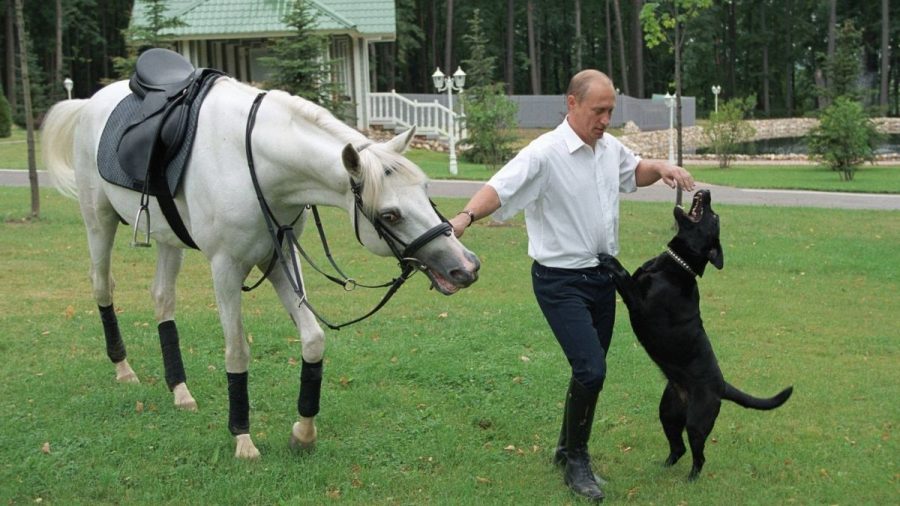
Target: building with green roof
{"type": "Point", "coordinates": [232, 35]}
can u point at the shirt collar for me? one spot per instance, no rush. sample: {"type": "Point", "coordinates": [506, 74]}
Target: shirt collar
{"type": "Point", "coordinates": [573, 141]}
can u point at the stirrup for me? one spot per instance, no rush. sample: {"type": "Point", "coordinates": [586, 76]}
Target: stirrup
{"type": "Point", "coordinates": [137, 225]}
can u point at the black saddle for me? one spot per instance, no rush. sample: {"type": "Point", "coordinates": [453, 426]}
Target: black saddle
{"type": "Point", "coordinates": [168, 85]}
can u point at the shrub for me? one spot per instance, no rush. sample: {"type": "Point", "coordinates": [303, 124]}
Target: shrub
{"type": "Point", "coordinates": [845, 137]}
{"type": "Point", "coordinates": [727, 128]}
{"type": "Point", "coordinates": [5, 116]}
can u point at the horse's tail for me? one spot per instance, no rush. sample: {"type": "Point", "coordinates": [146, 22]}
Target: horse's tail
{"type": "Point", "coordinates": [58, 146]}
{"type": "Point", "coordinates": [748, 401]}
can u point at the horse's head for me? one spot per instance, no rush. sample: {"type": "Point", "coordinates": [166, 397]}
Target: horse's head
{"type": "Point", "coordinates": [394, 215]}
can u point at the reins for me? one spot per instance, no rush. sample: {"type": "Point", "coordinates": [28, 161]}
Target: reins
{"type": "Point", "coordinates": [281, 234]}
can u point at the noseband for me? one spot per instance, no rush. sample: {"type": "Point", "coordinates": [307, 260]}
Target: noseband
{"type": "Point", "coordinates": [403, 252]}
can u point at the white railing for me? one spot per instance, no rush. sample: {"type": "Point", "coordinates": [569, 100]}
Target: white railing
{"type": "Point", "coordinates": [394, 111]}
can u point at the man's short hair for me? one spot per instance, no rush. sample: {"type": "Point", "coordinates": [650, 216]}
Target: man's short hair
{"type": "Point", "coordinates": [581, 82]}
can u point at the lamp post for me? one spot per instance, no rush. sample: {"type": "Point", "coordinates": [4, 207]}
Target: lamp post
{"type": "Point", "coordinates": [456, 83]}
{"type": "Point", "coordinates": [716, 89]}
{"type": "Point", "coordinates": [670, 103]}
{"type": "Point", "coordinates": [67, 84]}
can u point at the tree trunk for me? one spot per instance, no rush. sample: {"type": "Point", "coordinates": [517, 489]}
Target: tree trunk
{"type": "Point", "coordinates": [578, 43]}
{"type": "Point", "coordinates": [679, 30]}
{"type": "Point", "coordinates": [637, 47]}
{"type": "Point", "coordinates": [59, 50]}
{"type": "Point", "coordinates": [732, 49]}
{"type": "Point", "coordinates": [11, 92]}
{"type": "Point", "coordinates": [448, 40]}
{"type": "Point", "coordinates": [29, 121]}
{"type": "Point", "coordinates": [609, 58]}
{"type": "Point", "coordinates": [789, 60]}
{"type": "Point", "coordinates": [621, 36]}
{"type": "Point", "coordinates": [432, 39]}
{"type": "Point", "coordinates": [510, 45]}
{"type": "Point", "coordinates": [885, 57]}
{"type": "Point", "coordinates": [765, 59]}
{"type": "Point", "coordinates": [832, 36]}
{"type": "Point", "coordinates": [532, 52]}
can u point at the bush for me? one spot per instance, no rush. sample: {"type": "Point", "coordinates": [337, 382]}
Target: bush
{"type": "Point", "coordinates": [5, 116]}
{"type": "Point", "coordinates": [727, 128]}
{"type": "Point", "coordinates": [845, 137]}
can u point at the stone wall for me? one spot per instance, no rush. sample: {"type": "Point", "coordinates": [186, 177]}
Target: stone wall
{"type": "Point", "coordinates": [656, 144]}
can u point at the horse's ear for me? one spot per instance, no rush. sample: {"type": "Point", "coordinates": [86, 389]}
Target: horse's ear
{"type": "Point", "coordinates": [350, 158]}
{"type": "Point", "coordinates": [399, 143]}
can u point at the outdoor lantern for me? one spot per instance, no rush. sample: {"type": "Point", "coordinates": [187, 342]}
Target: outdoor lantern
{"type": "Point", "coordinates": [459, 78]}
{"type": "Point", "coordinates": [438, 78]}
{"type": "Point", "coordinates": [68, 84]}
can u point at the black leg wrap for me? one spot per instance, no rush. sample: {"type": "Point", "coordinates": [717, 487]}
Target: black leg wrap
{"type": "Point", "coordinates": [115, 348]}
{"type": "Point", "coordinates": [310, 388]}
{"type": "Point", "coordinates": [238, 404]}
{"type": "Point", "coordinates": [171, 352]}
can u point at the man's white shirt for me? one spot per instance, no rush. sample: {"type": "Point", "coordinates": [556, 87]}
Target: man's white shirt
{"type": "Point", "coordinates": [570, 195]}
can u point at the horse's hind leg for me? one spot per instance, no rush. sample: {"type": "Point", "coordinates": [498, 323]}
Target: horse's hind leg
{"type": "Point", "coordinates": [303, 433]}
{"type": "Point", "coordinates": [100, 222]}
{"type": "Point", "coordinates": [168, 266]}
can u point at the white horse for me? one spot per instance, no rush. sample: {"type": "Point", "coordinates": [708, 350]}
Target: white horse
{"type": "Point", "coordinates": [303, 156]}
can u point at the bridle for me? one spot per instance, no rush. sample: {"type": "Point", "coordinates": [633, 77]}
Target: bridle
{"type": "Point", "coordinates": [282, 235]}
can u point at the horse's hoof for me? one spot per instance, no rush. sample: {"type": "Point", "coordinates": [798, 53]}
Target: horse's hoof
{"type": "Point", "coordinates": [245, 448]}
{"type": "Point", "coordinates": [303, 437]}
{"type": "Point", "coordinates": [183, 398]}
{"type": "Point", "coordinates": [124, 373]}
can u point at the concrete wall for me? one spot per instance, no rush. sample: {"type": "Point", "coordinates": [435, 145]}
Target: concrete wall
{"type": "Point", "coordinates": [547, 111]}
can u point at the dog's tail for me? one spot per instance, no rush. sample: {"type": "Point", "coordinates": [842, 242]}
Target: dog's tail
{"type": "Point", "coordinates": [748, 401]}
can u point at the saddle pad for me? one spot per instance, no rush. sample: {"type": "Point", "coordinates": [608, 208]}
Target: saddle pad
{"type": "Point", "coordinates": [123, 116]}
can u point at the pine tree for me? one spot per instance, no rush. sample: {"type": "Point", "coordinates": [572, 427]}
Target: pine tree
{"type": "Point", "coordinates": [139, 38]}
{"type": "Point", "coordinates": [298, 64]}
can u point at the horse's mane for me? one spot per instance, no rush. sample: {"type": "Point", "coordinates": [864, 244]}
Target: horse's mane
{"type": "Point", "coordinates": [377, 161]}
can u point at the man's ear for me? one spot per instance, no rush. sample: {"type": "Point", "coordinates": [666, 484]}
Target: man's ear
{"type": "Point", "coordinates": [399, 143]}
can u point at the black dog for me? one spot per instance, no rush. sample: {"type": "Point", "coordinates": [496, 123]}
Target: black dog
{"type": "Point", "coordinates": [664, 305]}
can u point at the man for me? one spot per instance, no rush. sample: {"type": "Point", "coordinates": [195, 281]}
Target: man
{"type": "Point", "coordinates": [568, 182]}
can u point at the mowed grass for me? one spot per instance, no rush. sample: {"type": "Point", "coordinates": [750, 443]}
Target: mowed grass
{"type": "Point", "coordinates": [452, 400]}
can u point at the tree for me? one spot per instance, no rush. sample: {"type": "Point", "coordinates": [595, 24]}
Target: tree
{"type": "Point", "coordinates": [533, 52]}
{"type": "Point", "coordinates": [668, 24]}
{"type": "Point", "coordinates": [727, 128]}
{"type": "Point", "coordinates": [140, 38]}
{"type": "Point", "coordinates": [297, 65]}
{"type": "Point", "coordinates": [490, 115]}
{"type": "Point", "coordinates": [885, 56]}
{"type": "Point", "coordinates": [843, 67]}
{"type": "Point", "coordinates": [623, 66]}
{"type": "Point", "coordinates": [845, 137]}
{"type": "Point", "coordinates": [29, 119]}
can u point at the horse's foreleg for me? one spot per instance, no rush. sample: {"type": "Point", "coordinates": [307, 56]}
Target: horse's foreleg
{"type": "Point", "coordinates": [303, 433]}
{"type": "Point", "coordinates": [168, 266]}
{"type": "Point", "coordinates": [228, 277]}
{"type": "Point", "coordinates": [101, 222]}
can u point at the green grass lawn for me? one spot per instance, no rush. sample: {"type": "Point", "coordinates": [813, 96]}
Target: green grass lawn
{"type": "Point", "coordinates": [452, 400]}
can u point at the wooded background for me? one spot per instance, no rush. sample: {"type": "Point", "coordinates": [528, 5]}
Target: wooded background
{"type": "Point", "coordinates": [775, 49]}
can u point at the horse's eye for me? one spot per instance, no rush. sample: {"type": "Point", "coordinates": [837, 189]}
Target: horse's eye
{"type": "Point", "coordinates": [390, 216]}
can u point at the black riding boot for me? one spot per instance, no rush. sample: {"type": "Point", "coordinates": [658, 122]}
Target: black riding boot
{"type": "Point", "coordinates": [560, 456]}
{"type": "Point", "coordinates": [579, 417]}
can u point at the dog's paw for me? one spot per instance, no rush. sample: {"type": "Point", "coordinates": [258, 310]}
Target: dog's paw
{"type": "Point", "coordinates": [609, 263]}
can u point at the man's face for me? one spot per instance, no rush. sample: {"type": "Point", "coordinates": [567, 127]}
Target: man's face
{"type": "Point", "coordinates": [590, 117]}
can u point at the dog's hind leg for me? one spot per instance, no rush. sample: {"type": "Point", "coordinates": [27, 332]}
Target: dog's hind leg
{"type": "Point", "coordinates": [673, 416]}
{"type": "Point", "coordinates": [701, 416]}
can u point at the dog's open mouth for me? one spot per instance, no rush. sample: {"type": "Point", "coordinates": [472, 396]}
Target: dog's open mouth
{"type": "Point", "coordinates": [701, 199]}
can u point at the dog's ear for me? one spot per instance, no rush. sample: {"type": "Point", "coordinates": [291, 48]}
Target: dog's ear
{"type": "Point", "coordinates": [715, 256]}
